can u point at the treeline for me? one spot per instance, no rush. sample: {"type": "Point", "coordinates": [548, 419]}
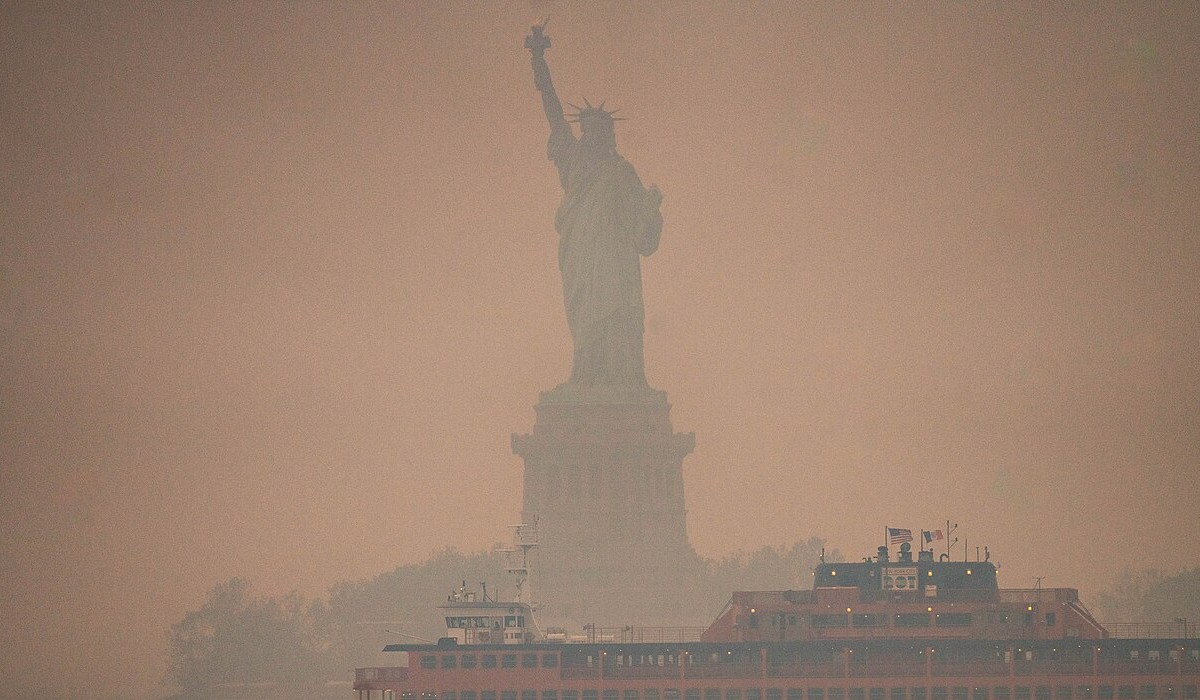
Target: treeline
{"type": "Point", "coordinates": [1151, 596]}
{"type": "Point", "coordinates": [238, 637]}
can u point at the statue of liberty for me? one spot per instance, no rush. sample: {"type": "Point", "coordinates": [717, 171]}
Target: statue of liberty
{"type": "Point", "coordinates": [605, 221]}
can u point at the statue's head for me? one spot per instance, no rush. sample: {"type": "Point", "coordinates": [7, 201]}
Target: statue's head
{"type": "Point", "coordinates": [596, 125]}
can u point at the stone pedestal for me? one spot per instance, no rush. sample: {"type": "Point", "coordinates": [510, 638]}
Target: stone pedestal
{"type": "Point", "coordinates": [604, 480]}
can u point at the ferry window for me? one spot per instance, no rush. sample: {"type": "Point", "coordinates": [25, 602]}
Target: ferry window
{"type": "Point", "coordinates": [649, 694]}
{"type": "Point", "coordinates": [1021, 692]}
{"type": "Point", "coordinates": [836, 620]}
{"type": "Point", "coordinates": [897, 694]}
{"type": "Point", "coordinates": [836, 694]}
{"type": "Point", "coordinates": [549, 695]}
{"type": "Point", "coordinates": [1169, 693]}
{"type": "Point", "coordinates": [1106, 692]}
{"type": "Point", "coordinates": [979, 693]}
{"type": "Point", "coordinates": [407, 695]}
{"type": "Point", "coordinates": [753, 621]}
{"type": "Point", "coordinates": [1148, 692]}
{"type": "Point", "coordinates": [508, 661]}
{"type": "Point", "coordinates": [488, 661]}
{"type": "Point", "coordinates": [1189, 692]}
{"type": "Point", "coordinates": [1062, 692]}
{"type": "Point", "coordinates": [448, 695]}
{"type": "Point", "coordinates": [467, 695]}
{"type": "Point", "coordinates": [609, 694]}
{"type": "Point", "coordinates": [774, 694]}
{"type": "Point", "coordinates": [632, 694]}
{"type": "Point", "coordinates": [570, 695]}
{"type": "Point", "coordinates": [487, 695]}
{"type": "Point", "coordinates": [733, 694]}
{"type": "Point", "coordinates": [590, 695]}
{"type": "Point", "coordinates": [1050, 618]}
{"type": "Point", "coordinates": [670, 694]}
{"type": "Point", "coordinates": [876, 693]}
{"type": "Point", "coordinates": [1154, 654]}
{"type": "Point", "coordinates": [691, 694]}
{"type": "Point", "coordinates": [428, 662]}
{"type": "Point", "coordinates": [855, 694]}
{"type": "Point", "coordinates": [549, 660]}
{"type": "Point", "coordinates": [528, 695]}
{"type": "Point", "coordinates": [866, 620]}
{"type": "Point", "coordinates": [1029, 618]}
{"type": "Point", "coordinates": [1083, 692]}
{"type": "Point", "coordinates": [1000, 692]}
{"type": "Point", "coordinates": [754, 694]}
{"type": "Point", "coordinates": [428, 695]}
{"type": "Point", "coordinates": [920, 693]}
{"type": "Point", "coordinates": [1125, 692]}
{"type": "Point", "coordinates": [959, 692]}
{"type": "Point", "coordinates": [449, 661]}
{"type": "Point", "coordinates": [712, 694]}
{"type": "Point", "coordinates": [528, 660]}
{"type": "Point", "coordinates": [912, 619]}
{"type": "Point", "coordinates": [953, 619]}
{"type": "Point", "coordinates": [468, 661]}
{"type": "Point", "coordinates": [938, 693]}
{"type": "Point", "coordinates": [813, 694]}
{"type": "Point", "coordinates": [1042, 692]}
{"type": "Point", "coordinates": [508, 695]}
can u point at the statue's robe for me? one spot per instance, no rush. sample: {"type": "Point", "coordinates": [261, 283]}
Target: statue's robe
{"type": "Point", "coordinates": [605, 221]}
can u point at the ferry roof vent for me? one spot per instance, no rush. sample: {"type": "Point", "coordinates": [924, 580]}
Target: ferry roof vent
{"type": "Point", "coordinates": [883, 555]}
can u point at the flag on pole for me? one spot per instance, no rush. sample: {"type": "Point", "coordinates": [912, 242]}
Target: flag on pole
{"type": "Point", "coordinates": [931, 535]}
{"type": "Point", "coordinates": [897, 535]}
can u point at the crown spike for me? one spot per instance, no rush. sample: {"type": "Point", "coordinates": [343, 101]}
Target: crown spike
{"type": "Point", "coordinates": [589, 104]}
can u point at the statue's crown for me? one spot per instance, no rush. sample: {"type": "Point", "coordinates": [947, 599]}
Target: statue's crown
{"type": "Point", "coordinates": [596, 116]}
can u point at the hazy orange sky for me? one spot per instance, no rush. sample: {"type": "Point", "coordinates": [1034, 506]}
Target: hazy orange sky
{"type": "Point", "coordinates": [279, 280]}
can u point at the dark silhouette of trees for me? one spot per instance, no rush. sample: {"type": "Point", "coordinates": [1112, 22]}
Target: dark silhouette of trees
{"type": "Point", "coordinates": [1150, 596]}
{"type": "Point", "coordinates": [238, 638]}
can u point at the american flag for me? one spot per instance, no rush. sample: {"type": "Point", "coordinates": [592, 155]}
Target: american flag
{"type": "Point", "coordinates": [897, 535]}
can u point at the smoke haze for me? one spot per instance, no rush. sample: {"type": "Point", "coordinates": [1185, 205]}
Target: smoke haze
{"type": "Point", "coordinates": [279, 280]}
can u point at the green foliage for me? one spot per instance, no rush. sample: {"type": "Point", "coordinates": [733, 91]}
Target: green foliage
{"type": "Point", "coordinates": [1151, 596]}
{"type": "Point", "coordinates": [236, 638]}
{"type": "Point", "coordinates": [768, 568]}
{"type": "Point", "coordinates": [399, 606]}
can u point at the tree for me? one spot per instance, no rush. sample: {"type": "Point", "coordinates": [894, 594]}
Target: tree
{"type": "Point", "coordinates": [399, 605]}
{"type": "Point", "coordinates": [1151, 596]}
{"type": "Point", "coordinates": [236, 638]}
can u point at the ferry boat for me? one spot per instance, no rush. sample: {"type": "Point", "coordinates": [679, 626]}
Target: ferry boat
{"type": "Point", "coordinates": [880, 629]}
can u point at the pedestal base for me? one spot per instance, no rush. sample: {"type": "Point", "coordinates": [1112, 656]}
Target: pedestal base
{"type": "Point", "coordinates": [604, 480]}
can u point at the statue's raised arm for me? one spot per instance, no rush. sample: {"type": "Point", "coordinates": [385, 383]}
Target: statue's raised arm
{"type": "Point", "coordinates": [537, 42]}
